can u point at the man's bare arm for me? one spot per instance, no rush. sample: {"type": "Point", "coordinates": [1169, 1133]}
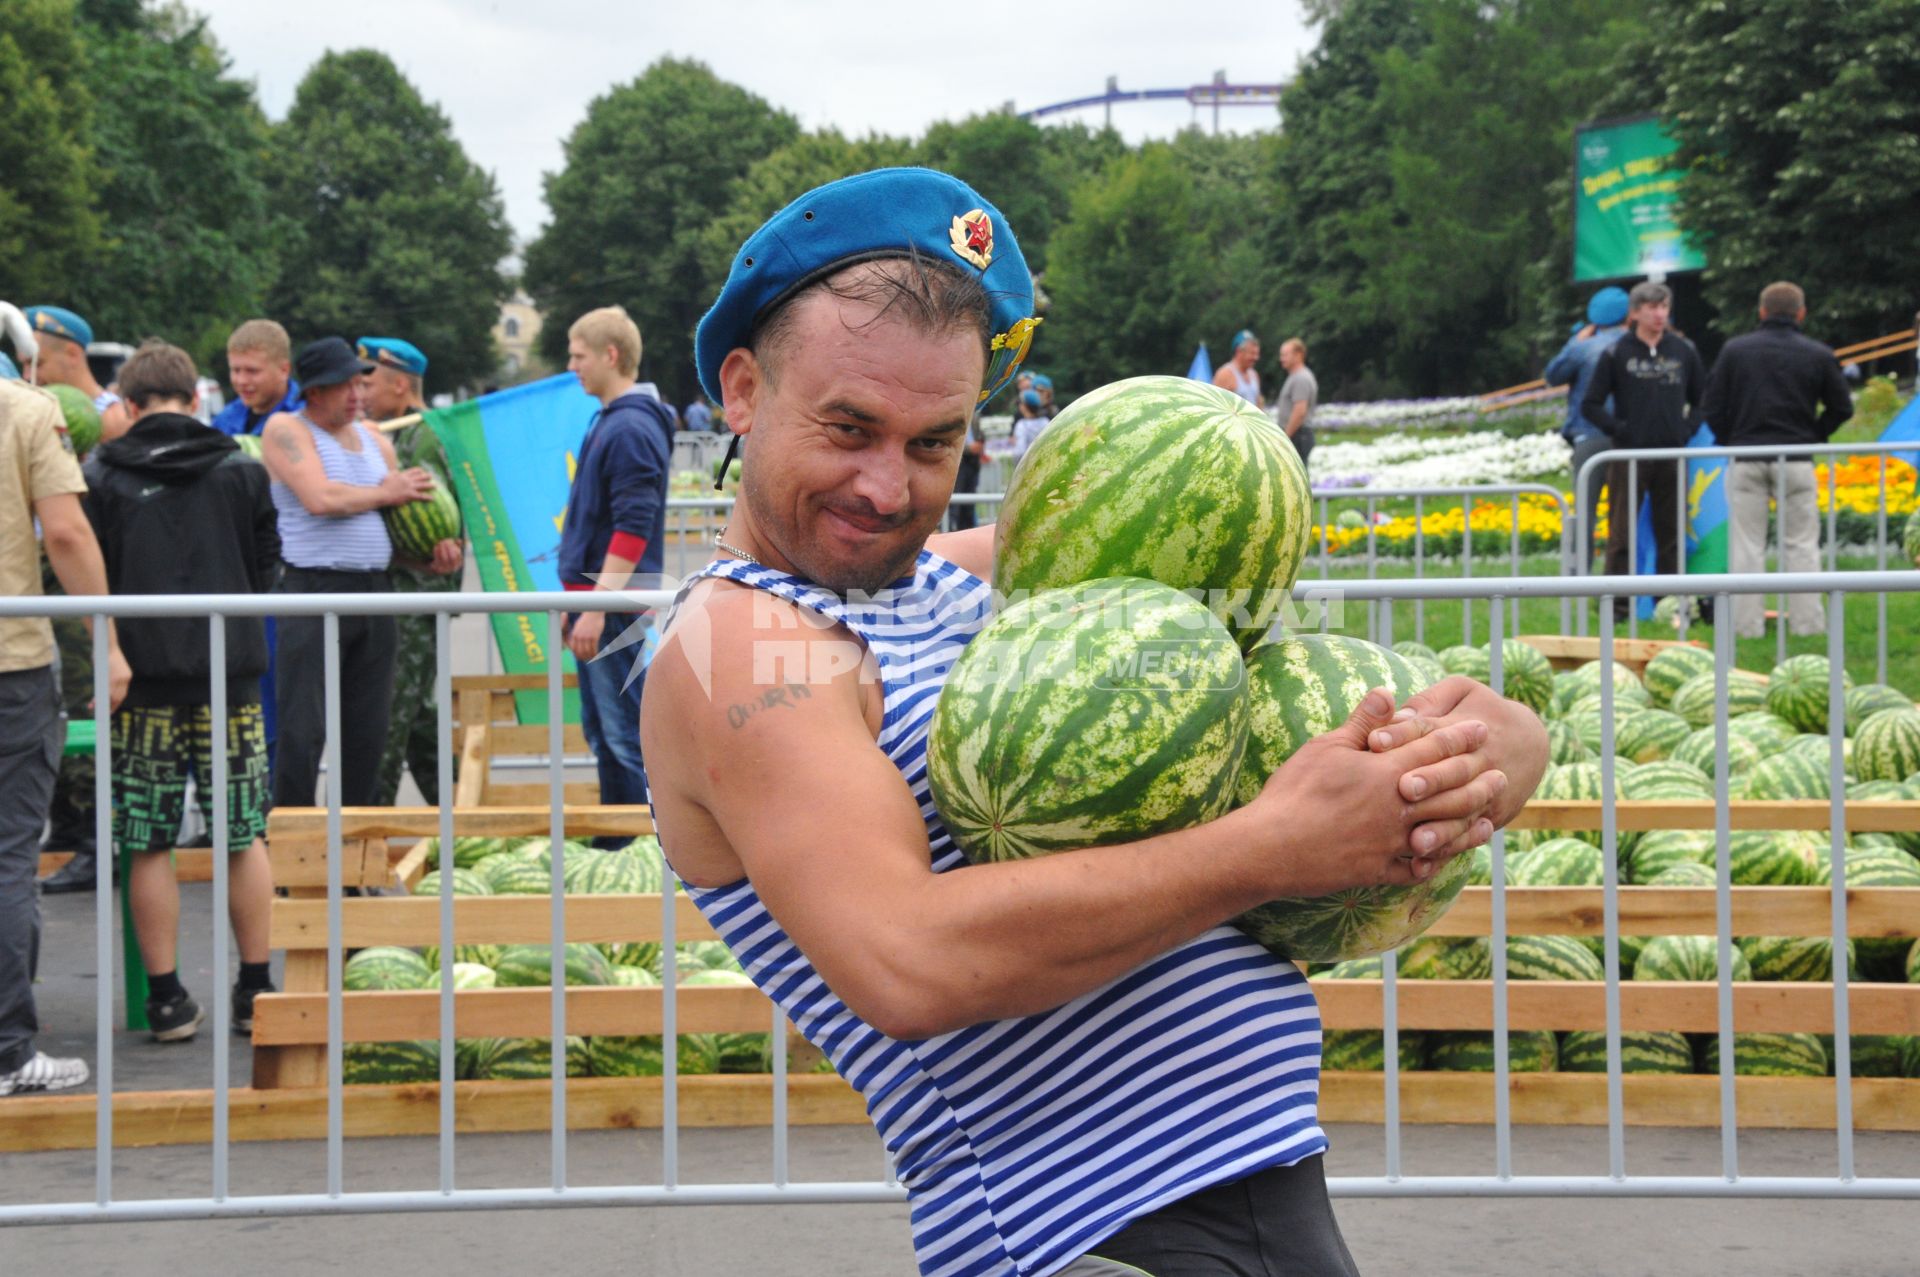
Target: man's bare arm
{"type": "Point", "coordinates": [290, 458]}
{"type": "Point", "coordinates": [74, 552]}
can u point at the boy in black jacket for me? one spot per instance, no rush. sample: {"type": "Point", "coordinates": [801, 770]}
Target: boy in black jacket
{"type": "Point", "coordinates": [1655, 380]}
{"type": "Point", "coordinates": [179, 509]}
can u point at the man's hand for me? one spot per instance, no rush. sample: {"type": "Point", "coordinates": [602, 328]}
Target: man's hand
{"type": "Point", "coordinates": [583, 636]}
{"type": "Point", "coordinates": [402, 486]}
{"type": "Point", "coordinates": [1516, 740]}
{"type": "Point", "coordinates": [1383, 817]}
{"type": "Point", "coordinates": [119, 678]}
{"type": "Point", "coordinates": [447, 557]}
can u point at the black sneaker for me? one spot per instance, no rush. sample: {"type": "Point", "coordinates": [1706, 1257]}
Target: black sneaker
{"type": "Point", "coordinates": [243, 1008]}
{"type": "Point", "coordinates": [174, 1021]}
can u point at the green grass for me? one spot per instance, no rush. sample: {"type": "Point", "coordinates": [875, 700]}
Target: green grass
{"type": "Point", "coordinates": [1443, 621]}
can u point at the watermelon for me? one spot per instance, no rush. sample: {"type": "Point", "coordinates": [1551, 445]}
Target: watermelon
{"type": "Point", "coordinates": [1301, 687]}
{"type": "Point", "coordinates": [1649, 735]}
{"type": "Point", "coordinates": [1564, 744]}
{"type": "Point", "coordinates": [1768, 1055]}
{"type": "Point", "coordinates": [1474, 662]}
{"type": "Point", "coordinates": [249, 445]}
{"type": "Point", "coordinates": [1674, 612]}
{"type": "Point", "coordinates": [1870, 698]}
{"type": "Point", "coordinates": [1684, 874]}
{"type": "Point", "coordinates": [1528, 1051]}
{"type": "Point", "coordinates": [1551, 958]}
{"type": "Point", "coordinates": [1587, 725]}
{"type": "Point", "coordinates": [1800, 958]}
{"type": "Point", "coordinates": [1447, 958]}
{"type": "Point", "coordinates": [632, 977]}
{"type": "Point", "coordinates": [78, 416]}
{"type": "Point", "coordinates": [516, 873]}
{"type": "Point", "coordinates": [1666, 778]}
{"type": "Point", "coordinates": [1661, 849]}
{"type": "Point", "coordinates": [1481, 875]}
{"type": "Point", "coordinates": [1797, 691]}
{"type": "Point", "coordinates": [1525, 675]}
{"type": "Point", "coordinates": [1672, 666]}
{"type": "Point", "coordinates": [466, 975]}
{"type": "Point", "coordinates": [602, 873]}
{"type": "Point", "coordinates": [1887, 745]}
{"type": "Point", "coordinates": [1698, 749]}
{"type": "Point", "coordinates": [707, 955]}
{"type": "Point", "coordinates": [1647, 1051]}
{"type": "Point", "coordinates": [523, 966]}
{"type": "Point", "coordinates": [484, 955]}
{"type": "Point", "coordinates": [372, 1063]}
{"type": "Point", "coordinates": [1104, 712]}
{"type": "Point", "coordinates": [1686, 958]}
{"type": "Point", "coordinates": [418, 526]}
{"type": "Point", "coordinates": [1881, 958]}
{"type": "Point", "coordinates": [1573, 781]}
{"type": "Point", "coordinates": [1820, 750]}
{"type": "Point", "coordinates": [384, 967]}
{"type": "Point", "coordinates": [625, 1056]}
{"type": "Point", "coordinates": [526, 1058]}
{"type": "Point", "coordinates": [1351, 520]}
{"type": "Point", "coordinates": [1560, 862]}
{"type": "Point", "coordinates": [645, 851]}
{"type": "Point", "coordinates": [1869, 1055]}
{"type": "Point", "coordinates": [1888, 866]}
{"type": "Point", "coordinates": [1695, 699]}
{"type": "Point", "coordinates": [724, 1052]}
{"type": "Point", "coordinates": [1772, 858]}
{"type": "Point", "coordinates": [1888, 791]}
{"type": "Point", "coordinates": [467, 852]}
{"type": "Point", "coordinates": [1167, 479]}
{"type": "Point", "coordinates": [1365, 1050]}
{"type": "Point", "coordinates": [465, 883]}
{"type": "Point", "coordinates": [1786, 774]}
{"type": "Point", "coordinates": [1768, 731]}
{"type": "Point", "coordinates": [1584, 681]}
{"type": "Point", "coordinates": [1412, 650]}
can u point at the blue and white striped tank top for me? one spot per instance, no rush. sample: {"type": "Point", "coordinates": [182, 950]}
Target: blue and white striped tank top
{"type": "Point", "coordinates": [1024, 1142]}
{"type": "Point", "coordinates": [356, 542]}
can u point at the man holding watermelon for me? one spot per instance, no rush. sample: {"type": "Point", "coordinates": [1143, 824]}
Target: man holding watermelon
{"type": "Point", "coordinates": [1075, 1066]}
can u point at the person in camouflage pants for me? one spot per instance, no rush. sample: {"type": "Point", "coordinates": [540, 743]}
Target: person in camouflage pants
{"type": "Point", "coordinates": [395, 389]}
{"type": "Point", "coordinates": [73, 810]}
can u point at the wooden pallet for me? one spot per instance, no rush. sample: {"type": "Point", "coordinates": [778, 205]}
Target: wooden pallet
{"type": "Point", "coordinates": [1566, 651]}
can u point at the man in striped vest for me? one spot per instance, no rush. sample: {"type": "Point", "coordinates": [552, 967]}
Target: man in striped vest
{"type": "Point", "coordinates": [1075, 1065]}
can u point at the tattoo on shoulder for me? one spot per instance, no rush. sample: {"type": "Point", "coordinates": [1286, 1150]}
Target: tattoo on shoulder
{"type": "Point", "coordinates": [788, 696]}
{"type": "Point", "coordinates": [289, 443]}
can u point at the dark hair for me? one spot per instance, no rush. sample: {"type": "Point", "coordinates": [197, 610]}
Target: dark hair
{"type": "Point", "coordinates": [930, 296]}
{"type": "Point", "coordinates": [1649, 293]}
{"type": "Point", "coordinates": [1782, 300]}
{"type": "Point", "coordinates": [158, 371]}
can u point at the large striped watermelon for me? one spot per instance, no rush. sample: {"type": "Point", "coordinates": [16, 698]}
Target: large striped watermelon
{"type": "Point", "coordinates": [645, 851]}
{"type": "Point", "coordinates": [373, 1063]}
{"type": "Point", "coordinates": [1365, 1050]}
{"type": "Point", "coordinates": [1573, 781]}
{"type": "Point", "coordinates": [1666, 778]}
{"type": "Point", "coordinates": [1786, 774]}
{"type": "Point", "coordinates": [1890, 864]}
{"type": "Point", "coordinates": [1474, 662]}
{"type": "Point", "coordinates": [1164, 478]}
{"type": "Point", "coordinates": [602, 873]}
{"type": "Point", "coordinates": [1446, 958]}
{"type": "Point", "coordinates": [1551, 958]}
{"type": "Point", "coordinates": [384, 967]}
{"type": "Point", "coordinates": [523, 966]}
{"type": "Point", "coordinates": [1872, 1055]}
{"type": "Point", "coordinates": [78, 417]}
{"type": "Point", "coordinates": [1104, 712]}
{"type": "Point", "coordinates": [1797, 691]}
{"type": "Point", "coordinates": [1525, 675]}
{"type": "Point", "coordinates": [516, 873]}
{"type": "Point", "coordinates": [1587, 725]}
{"type": "Point", "coordinates": [1881, 958]}
{"type": "Point", "coordinates": [1802, 958]}
{"type": "Point", "coordinates": [1647, 1051]}
{"type": "Point", "coordinates": [1887, 791]}
{"type": "Point", "coordinates": [1584, 681]}
{"type": "Point", "coordinates": [1684, 874]}
{"type": "Point", "coordinates": [528, 1059]}
{"type": "Point", "coordinates": [625, 1056]}
{"type": "Point", "coordinates": [1768, 1055]}
{"type": "Point", "coordinates": [1695, 699]}
{"type": "Point", "coordinates": [466, 975]}
{"type": "Point", "coordinates": [465, 883]}
{"type": "Point", "coordinates": [1650, 735]}
{"type": "Point", "coordinates": [1661, 849]}
{"type": "Point", "coordinates": [1686, 958]}
{"type": "Point", "coordinates": [1672, 666]}
{"type": "Point", "coordinates": [467, 852]}
{"type": "Point", "coordinates": [484, 955]}
{"type": "Point", "coordinates": [1560, 862]}
{"type": "Point", "coordinates": [1772, 858]}
{"type": "Point", "coordinates": [1768, 731]}
{"type": "Point", "coordinates": [1564, 744]}
{"type": "Point", "coordinates": [1887, 745]}
{"type": "Point", "coordinates": [1699, 749]}
{"type": "Point", "coordinates": [1413, 650]}
{"type": "Point", "coordinates": [1528, 1051]}
{"type": "Point", "coordinates": [418, 526]}
{"type": "Point", "coordinates": [1301, 687]}
{"type": "Point", "coordinates": [1869, 699]}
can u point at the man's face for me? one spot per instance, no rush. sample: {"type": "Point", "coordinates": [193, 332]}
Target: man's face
{"type": "Point", "coordinates": [60, 362]}
{"type": "Point", "coordinates": [259, 381]}
{"type": "Point", "coordinates": [1651, 319]}
{"type": "Point", "coordinates": [335, 405]}
{"type": "Point", "coordinates": [594, 368]}
{"type": "Point", "coordinates": [385, 393]}
{"type": "Point", "coordinates": [1248, 355]}
{"type": "Point", "coordinates": [856, 438]}
{"type": "Point", "coordinates": [1291, 358]}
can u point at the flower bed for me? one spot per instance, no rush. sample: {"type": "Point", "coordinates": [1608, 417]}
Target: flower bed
{"type": "Point", "coordinates": [1444, 531]}
{"type": "Point", "coordinates": [1437, 461]}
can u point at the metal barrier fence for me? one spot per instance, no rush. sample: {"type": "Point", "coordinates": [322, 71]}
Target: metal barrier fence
{"type": "Point", "coordinates": [1632, 457]}
{"type": "Point", "coordinates": [779, 1189]}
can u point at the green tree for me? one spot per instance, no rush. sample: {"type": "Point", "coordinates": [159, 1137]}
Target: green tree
{"type": "Point", "coordinates": [651, 165]}
{"type": "Point", "coordinates": [1008, 160]}
{"type": "Point", "coordinates": [183, 148]}
{"type": "Point", "coordinates": [391, 228]}
{"type": "Point", "coordinates": [48, 220]}
{"type": "Point", "coordinates": [1802, 133]}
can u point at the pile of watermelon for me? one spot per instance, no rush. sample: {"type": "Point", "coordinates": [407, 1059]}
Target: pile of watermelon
{"type": "Point", "coordinates": [1130, 688]}
{"type": "Point", "coordinates": [503, 866]}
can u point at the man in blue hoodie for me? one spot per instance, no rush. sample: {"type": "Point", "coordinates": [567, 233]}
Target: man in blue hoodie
{"type": "Point", "coordinates": [1573, 368]}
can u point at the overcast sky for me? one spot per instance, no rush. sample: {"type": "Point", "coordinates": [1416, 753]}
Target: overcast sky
{"type": "Point", "coordinates": [515, 78]}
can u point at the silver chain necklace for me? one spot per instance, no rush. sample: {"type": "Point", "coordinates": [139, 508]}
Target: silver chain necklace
{"type": "Point", "coordinates": [720, 541]}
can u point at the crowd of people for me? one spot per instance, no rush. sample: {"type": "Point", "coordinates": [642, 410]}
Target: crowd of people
{"type": "Point", "coordinates": [283, 492]}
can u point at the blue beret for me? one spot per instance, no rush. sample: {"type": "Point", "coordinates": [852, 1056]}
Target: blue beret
{"type": "Point", "coordinates": [1608, 307]}
{"type": "Point", "coordinates": [1041, 379]}
{"type": "Point", "coordinates": [60, 322]}
{"type": "Point", "coordinates": [392, 352]}
{"type": "Point", "coordinates": [886, 213]}
{"type": "Point", "coordinates": [1242, 337]}
{"type": "Point", "coordinates": [1031, 398]}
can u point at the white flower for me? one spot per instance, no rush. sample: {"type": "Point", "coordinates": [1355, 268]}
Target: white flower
{"type": "Point", "coordinates": [1446, 460]}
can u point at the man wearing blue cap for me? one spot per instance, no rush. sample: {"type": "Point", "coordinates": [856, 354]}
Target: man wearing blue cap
{"type": "Point", "coordinates": [1238, 373]}
{"type": "Point", "coordinates": [1573, 368]}
{"type": "Point", "coordinates": [394, 387]}
{"type": "Point", "coordinates": [1062, 1055]}
{"type": "Point", "coordinates": [63, 362]}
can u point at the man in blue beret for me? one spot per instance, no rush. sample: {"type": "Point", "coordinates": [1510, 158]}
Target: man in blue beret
{"type": "Point", "coordinates": [394, 388]}
{"type": "Point", "coordinates": [1065, 1055]}
{"type": "Point", "coordinates": [1573, 368]}
{"type": "Point", "coordinates": [63, 362]}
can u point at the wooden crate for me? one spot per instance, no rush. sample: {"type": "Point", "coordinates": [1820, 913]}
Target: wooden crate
{"type": "Point", "coordinates": [488, 727]}
{"type": "Point", "coordinates": [1566, 651]}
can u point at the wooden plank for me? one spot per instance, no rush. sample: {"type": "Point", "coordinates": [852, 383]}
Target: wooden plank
{"type": "Point", "coordinates": [508, 682]}
{"type": "Point", "coordinates": [575, 793]}
{"type": "Point", "coordinates": [300, 861]}
{"type": "Point", "coordinates": [1691, 1007]}
{"type": "Point", "coordinates": [1568, 650]}
{"type": "Point", "coordinates": [190, 864]}
{"type": "Point", "coordinates": [1580, 1099]}
{"type": "Point", "coordinates": [1698, 813]}
{"type": "Point", "coordinates": [300, 1019]}
{"type": "Point", "coordinates": [1674, 911]}
{"type": "Point", "coordinates": [510, 739]}
{"type": "Point", "coordinates": [141, 1119]}
{"type": "Point", "coordinates": [471, 789]}
{"type": "Point", "coordinates": [478, 822]}
{"type": "Point", "coordinates": [366, 922]}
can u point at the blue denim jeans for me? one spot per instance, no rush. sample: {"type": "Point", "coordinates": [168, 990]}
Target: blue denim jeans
{"type": "Point", "coordinates": [610, 715]}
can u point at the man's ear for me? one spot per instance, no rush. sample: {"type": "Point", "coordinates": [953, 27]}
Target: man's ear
{"type": "Point", "coordinates": [743, 380]}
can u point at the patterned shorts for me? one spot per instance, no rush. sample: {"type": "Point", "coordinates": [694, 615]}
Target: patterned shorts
{"type": "Point", "coordinates": [155, 747]}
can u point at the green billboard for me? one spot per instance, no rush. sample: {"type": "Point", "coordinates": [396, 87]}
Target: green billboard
{"type": "Point", "coordinates": [1625, 183]}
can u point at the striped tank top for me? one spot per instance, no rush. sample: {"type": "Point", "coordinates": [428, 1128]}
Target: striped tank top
{"type": "Point", "coordinates": [1024, 1142]}
{"type": "Point", "coordinates": [354, 542]}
